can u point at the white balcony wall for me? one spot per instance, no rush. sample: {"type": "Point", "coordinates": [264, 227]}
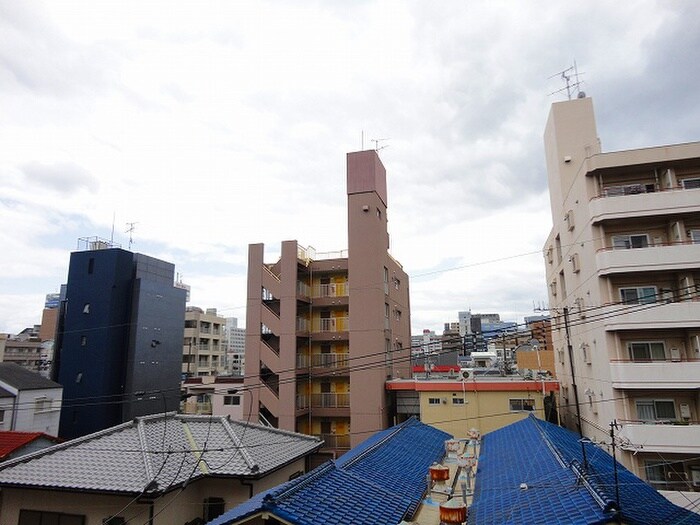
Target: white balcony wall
{"type": "Point", "coordinates": [655, 374]}
{"type": "Point", "coordinates": [666, 438]}
{"type": "Point", "coordinates": [644, 205]}
{"type": "Point", "coordinates": [655, 258]}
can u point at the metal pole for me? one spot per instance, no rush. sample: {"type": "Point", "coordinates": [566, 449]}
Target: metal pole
{"type": "Point", "coordinates": [573, 385]}
{"type": "Point", "coordinates": [613, 424]}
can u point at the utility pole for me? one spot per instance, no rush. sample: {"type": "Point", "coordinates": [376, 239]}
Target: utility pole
{"type": "Point", "coordinates": [573, 385]}
{"type": "Point", "coordinates": [613, 426]}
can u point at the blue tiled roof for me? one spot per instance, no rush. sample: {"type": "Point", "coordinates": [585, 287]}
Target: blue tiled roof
{"type": "Point", "coordinates": [549, 460]}
{"type": "Point", "coordinates": [381, 481]}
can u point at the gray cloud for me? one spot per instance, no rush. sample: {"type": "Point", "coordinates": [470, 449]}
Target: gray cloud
{"type": "Point", "coordinates": [63, 177]}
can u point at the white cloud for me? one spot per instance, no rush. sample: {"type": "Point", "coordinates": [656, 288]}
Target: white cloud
{"type": "Point", "coordinates": [213, 125]}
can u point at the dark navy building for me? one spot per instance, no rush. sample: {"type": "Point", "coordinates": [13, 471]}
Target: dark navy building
{"type": "Point", "coordinates": [119, 340]}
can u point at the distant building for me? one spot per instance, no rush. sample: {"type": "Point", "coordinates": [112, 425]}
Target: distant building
{"type": "Point", "coordinates": [24, 349]}
{"type": "Point", "coordinates": [203, 351]}
{"type": "Point", "coordinates": [235, 347]}
{"type": "Point", "coordinates": [119, 343]}
{"type": "Point", "coordinates": [14, 444]}
{"type": "Point", "coordinates": [323, 332]}
{"type": "Point", "coordinates": [214, 395]}
{"type": "Point", "coordinates": [28, 402]}
{"type": "Point", "coordinates": [623, 269]}
{"type": "Point", "coordinates": [484, 403]}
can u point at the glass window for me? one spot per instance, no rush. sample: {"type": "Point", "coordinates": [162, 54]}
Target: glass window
{"type": "Point", "coordinates": [642, 351]}
{"type": "Point", "coordinates": [652, 410]}
{"type": "Point", "coordinates": [433, 400]}
{"type": "Point", "coordinates": [638, 295]}
{"type": "Point", "coordinates": [232, 400]}
{"type": "Point", "coordinates": [517, 405]}
{"type": "Point", "coordinates": [625, 242]}
{"type": "Point", "coordinates": [457, 400]}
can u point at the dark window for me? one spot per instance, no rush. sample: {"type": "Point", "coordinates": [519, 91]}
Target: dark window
{"type": "Point", "coordinates": [83, 340]}
{"type": "Point", "coordinates": [213, 508]}
{"type": "Point", "coordinates": [37, 517]}
{"type": "Point", "coordinates": [91, 265]}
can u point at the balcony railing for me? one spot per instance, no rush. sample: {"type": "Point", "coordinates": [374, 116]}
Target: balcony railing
{"type": "Point", "coordinates": [332, 324]}
{"type": "Point", "coordinates": [331, 290]}
{"type": "Point", "coordinates": [302, 324]}
{"type": "Point", "coordinates": [330, 400]}
{"type": "Point", "coordinates": [302, 402]}
{"type": "Point", "coordinates": [331, 360]}
{"type": "Point", "coordinates": [337, 441]}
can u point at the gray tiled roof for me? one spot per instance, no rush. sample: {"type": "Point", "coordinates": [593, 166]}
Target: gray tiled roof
{"type": "Point", "coordinates": [169, 449]}
{"type": "Point", "coordinates": [22, 379]}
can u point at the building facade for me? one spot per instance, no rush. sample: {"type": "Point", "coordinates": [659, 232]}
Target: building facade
{"type": "Point", "coordinates": [623, 270]}
{"type": "Point", "coordinates": [119, 347]}
{"type": "Point", "coordinates": [324, 332]}
{"type": "Point", "coordinates": [203, 350]}
{"type": "Point", "coordinates": [235, 347]}
{"type": "Point", "coordinates": [484, 403]}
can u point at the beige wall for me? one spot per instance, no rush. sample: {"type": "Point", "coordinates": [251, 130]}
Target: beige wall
{"type": "Point", "coordinates": [175, 508]}
{"type": "Point", "coordinates": [485, 411]}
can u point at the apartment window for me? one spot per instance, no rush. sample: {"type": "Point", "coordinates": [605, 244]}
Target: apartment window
{"type": "Point", "coordinates": [647, 351]}
{"type": "Point", "coordinates": [626, 242]}
{"type": "Point", "coordinates": [695, 236]}
{"type": "Point", "coordinates": [638, 295]}
{"type": "Point", "coordinates": [652, 410]}
{"type": "Point", "coordinates": [86, 308]}
{"type": "Point", "coordinates": [519, 405]}
{"type": "Point", "coordinates": [575, 263]}
{"type": "Point", "coordinates": [562, 283]}
{"type": "Point", "coordinates": [2, 416]}
{"type": "Point", "coordinates": [457, 400]}
{"type": "Point", "coordinates": [433, 400]}
{"type": "Point", "coordinates": [397, 314]}
{"type": "Point", "coordinates": [386, 280]}
{"type": "Point", "coordinates": [557, 243]}
{"type": "Point", "coordinates": [91, 265]}
{"type": "Point", "coordinates": [83, 340]}
{"type": "Point", "coordinates": [655, 472]}
{"type": "Point", "coordinates": [42, 404]}
{"type": "Point", "coordinates": [553, 288]}
{"type": "Point", "coordinates": [690, 184]}
{"type": "Point", "coordinates": [397, 282]}
{"type": "Point", "coordinates": [39, 517]}
{"type": "Point", "coordinates": [232, 400]}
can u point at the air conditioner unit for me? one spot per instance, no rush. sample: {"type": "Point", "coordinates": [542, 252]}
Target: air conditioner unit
{"type": "Point", "coordinates": [466, 373]}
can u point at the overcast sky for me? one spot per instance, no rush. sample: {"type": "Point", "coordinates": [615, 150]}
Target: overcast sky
{"type": "Point", "coordinates": [212, 125]}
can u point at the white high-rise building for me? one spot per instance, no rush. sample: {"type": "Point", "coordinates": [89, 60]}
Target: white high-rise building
{"type": "Point", "coordinates": [623, 270]}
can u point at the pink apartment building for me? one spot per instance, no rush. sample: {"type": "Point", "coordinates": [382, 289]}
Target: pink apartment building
{"type": "Point", "coordinates": [324, 332]}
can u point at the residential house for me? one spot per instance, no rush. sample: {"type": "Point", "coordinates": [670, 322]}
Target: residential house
{"type": "Point", "coordinates": [14, 444]}
{"type": "Point", "coordinates": [484, 403]}
{"type": "Point", "coordinates": [161, 469]}
{"type": "Point", "coordinates": [28, 401]}
{"type": "Point", "coordinates": [536, 472]}
{"type": "Point", "coordinates": [381, 481]}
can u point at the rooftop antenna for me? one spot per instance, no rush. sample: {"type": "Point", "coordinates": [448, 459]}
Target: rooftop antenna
{"type": "Point", "coordinates": [573, 83]}
{"type": "Point", "coordinates": [131, 226]}
{"type": "Point", "coordinates": [377, 147]}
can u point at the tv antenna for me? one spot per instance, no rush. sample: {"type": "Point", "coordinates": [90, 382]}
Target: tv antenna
{"type": "Point", "coordinates": [377, 147]}
{"type": "Point", "coordinates": [131, 226]}
{"type": "Point", "coordinates": [570, 76]}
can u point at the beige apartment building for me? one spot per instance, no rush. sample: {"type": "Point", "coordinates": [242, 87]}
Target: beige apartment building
{"type": "Point", "coordinates": [203, 351]}
{"type": "Point", "coordinates": [623, 269]}
{"type": "Point", "coordinates": [325, 331]}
